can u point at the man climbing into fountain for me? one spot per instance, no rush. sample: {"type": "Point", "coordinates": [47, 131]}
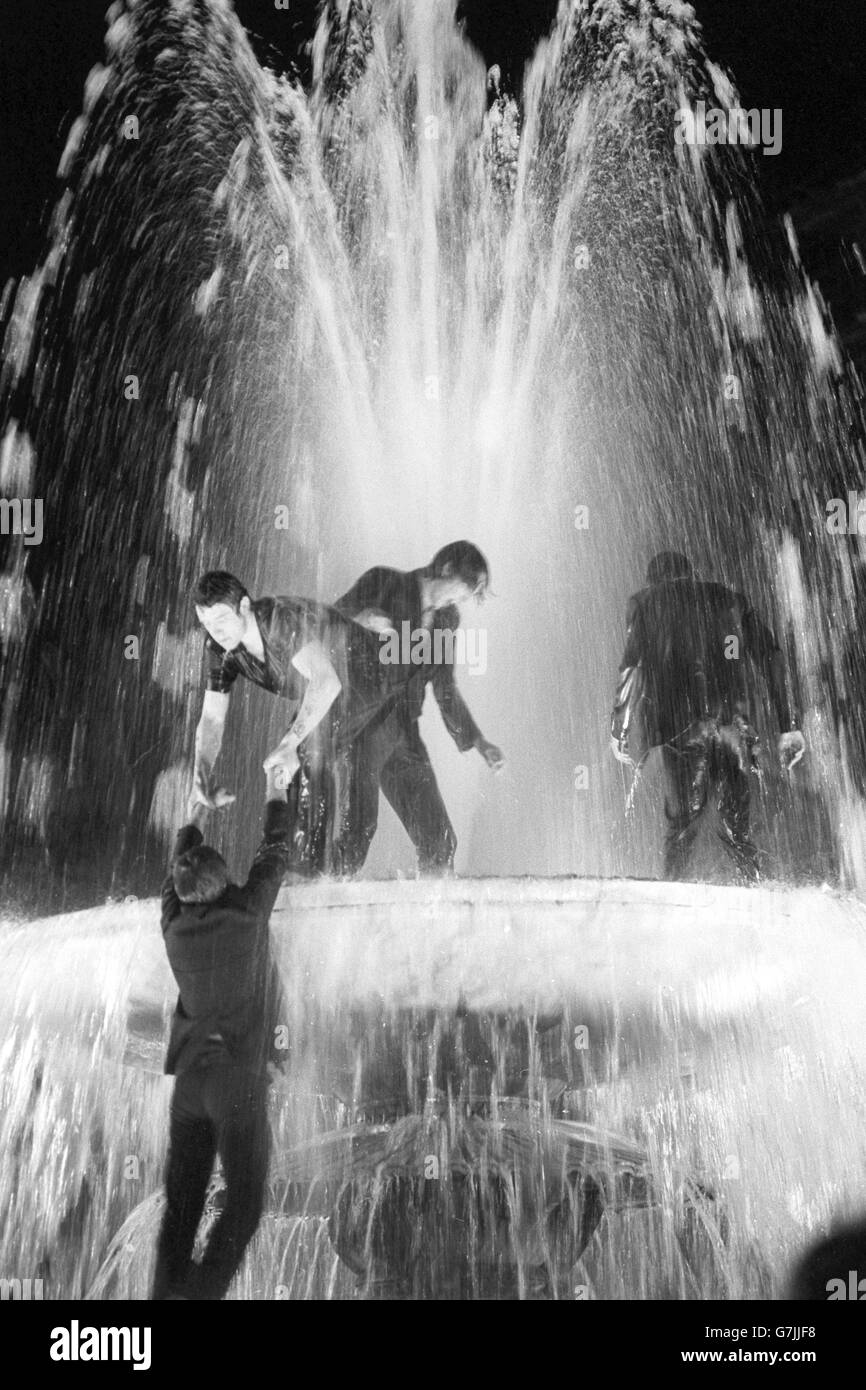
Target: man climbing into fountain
{"type": "Point", "coordinates": [686, 683]}
{"type": "Point", "coordinates": [225, 1035]}
{"type": "Point", "coordinates": [309, 654]}
{"type": "Point", "coordinates": [390, 754]}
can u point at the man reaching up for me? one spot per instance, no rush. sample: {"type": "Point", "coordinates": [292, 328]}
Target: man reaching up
{"type": "Point", "coordinates": [223, 1036]}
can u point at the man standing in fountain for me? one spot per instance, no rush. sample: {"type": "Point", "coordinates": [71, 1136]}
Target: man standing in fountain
{"type": "Point", "coordinates": [328, 668]}
{"type": "Point", "coordinates": [390, 755]}
{"type": "Point", "coordinates": [227, 1021]}
{"type": "Point", "coordinates": [691, 650]}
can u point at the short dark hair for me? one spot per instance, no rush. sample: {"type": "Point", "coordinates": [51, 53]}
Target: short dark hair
{"type": "Point", "coordinates": [668, 564]}
{"type": "Point", "coordinates": [465, 561]}
{"type": "Point", "coordinates": [200, 875]}
{"type": "Point", "coordinates": [218, 586]}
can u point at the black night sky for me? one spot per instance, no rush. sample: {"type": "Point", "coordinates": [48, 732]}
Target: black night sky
{"type": "Point", "coordinates": [805, 56]}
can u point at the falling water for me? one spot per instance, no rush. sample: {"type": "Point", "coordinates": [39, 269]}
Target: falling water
{"type": "Point", "coordinates": [296, 334]}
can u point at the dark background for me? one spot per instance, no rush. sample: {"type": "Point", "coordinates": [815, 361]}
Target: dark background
{"type": "Point", "coordinates": [805, 56]}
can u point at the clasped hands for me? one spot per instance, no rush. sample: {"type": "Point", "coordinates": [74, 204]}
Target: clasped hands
{"type": "Point", "coordinates": [282, 764]}
{"type": "Point", "coordinates": [280, 767]}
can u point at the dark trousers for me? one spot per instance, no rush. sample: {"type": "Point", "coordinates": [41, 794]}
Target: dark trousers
{"type": "Point", "coordinates": [391, 757]}
{"type": "Point", "coordinates": [311, 796]}
{"type": "Point", "coordinates": [710, 755]}
{"type": "Point", "coordinates": [218, 1107]}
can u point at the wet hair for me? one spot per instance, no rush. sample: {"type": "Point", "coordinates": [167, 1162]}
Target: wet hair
{"type": "Point", "coordinates": [668, 564]}
{"type": "Point", "coordinates": [465, 561]}
{"type": "Point", "coordinates": [218, 586]}
{"type": "Point", "coordinates": [200, 875]}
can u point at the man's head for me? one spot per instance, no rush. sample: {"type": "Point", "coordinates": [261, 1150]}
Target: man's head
{"type": "Point", "coordinates": [200, 875]}
{"type": "Point", "coordinates": [222, 606]}
{"type": "Point", "coordinates": [458, 572]}
{"type": "Point", "coordinates": [669, 564]}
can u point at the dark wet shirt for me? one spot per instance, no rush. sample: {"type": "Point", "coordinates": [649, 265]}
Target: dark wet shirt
{"type": "Point", "coordinates": [701, 647]}
{"type": "Point", "coordinates": [221, 956]}
{"type": "Point", "coordinates": [397, 595]}
{"type": "Point", "coordinates": [287, 625]}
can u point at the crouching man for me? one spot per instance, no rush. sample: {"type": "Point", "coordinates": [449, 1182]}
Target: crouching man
{"type": "Point", "coordinates": [224, 1027]}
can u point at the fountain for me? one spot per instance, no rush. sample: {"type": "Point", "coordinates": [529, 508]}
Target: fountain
{"type": "Point", "coordinates": [296, 333]}
{"type": "Point", "coordinates": [563, 1088]}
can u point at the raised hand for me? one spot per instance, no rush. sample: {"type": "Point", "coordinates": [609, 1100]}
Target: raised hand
{"type": "Point", "coordinates": [206, 793]}
{"type": "Point", "coordinates": [282, 764]}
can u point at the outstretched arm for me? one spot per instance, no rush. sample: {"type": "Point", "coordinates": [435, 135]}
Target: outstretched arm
{"type": "Point", "coordinates": [458, 718]}
{"type": "Point", "coordinates": [187, 837]}
{"type": "Point", "coordinates": [323, 687]}
{"type": "Point", "coordinates": [273, 854]}
{"type": "Point", "coordinates": [208, 742]}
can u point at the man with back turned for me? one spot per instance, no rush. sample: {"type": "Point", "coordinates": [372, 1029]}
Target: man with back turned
{"type": "Point", "coordinates": [692, 653]}
{"type": "Point", "coordinates": [224, 1035]}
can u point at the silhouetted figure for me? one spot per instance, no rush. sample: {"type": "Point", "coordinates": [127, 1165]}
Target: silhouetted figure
{"type": "Point", "coordinates": [834, 1270]}
{"type": "Point", "coordinates": [223, 1036]}
{"type": "Point", "coordinates": [415, 611]}
{"type": "Point", "coordinates": [693, 651]}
